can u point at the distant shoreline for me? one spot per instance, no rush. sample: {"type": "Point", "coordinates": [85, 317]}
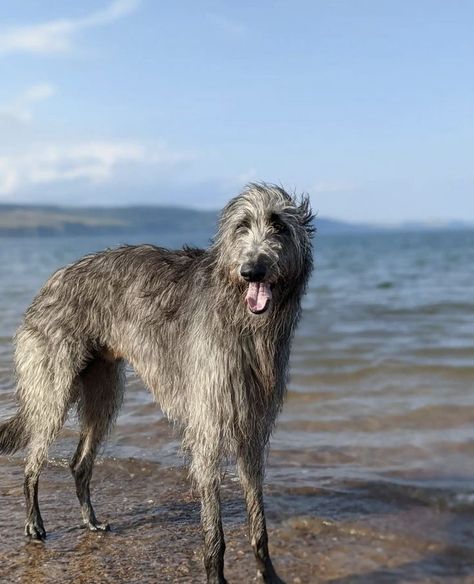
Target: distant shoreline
{"type": "Point", "coordinates": [47, 221]}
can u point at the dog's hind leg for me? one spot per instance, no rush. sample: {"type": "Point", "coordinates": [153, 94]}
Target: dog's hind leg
{"type": "Point", "coordinates": [251, 471]}
{"type": "Point", "coordinates": [46, 392]}
{"type": "Point", "coordinates": [100, 397]}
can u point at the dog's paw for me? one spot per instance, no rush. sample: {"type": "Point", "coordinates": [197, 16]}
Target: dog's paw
{"type": "Point", "coordinates": [35, 530]}
{"type": "Point", "coordinates": [96, 526]}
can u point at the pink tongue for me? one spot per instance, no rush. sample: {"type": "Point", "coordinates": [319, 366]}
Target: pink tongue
{"type": "Point", "coordinates": [258, 296]}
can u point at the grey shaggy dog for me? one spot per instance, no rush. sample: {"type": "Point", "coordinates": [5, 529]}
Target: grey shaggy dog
{"type": "Point", "coordinates": [208, 331]}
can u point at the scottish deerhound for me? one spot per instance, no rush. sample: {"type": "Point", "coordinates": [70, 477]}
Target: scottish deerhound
{"type": "Point", "coordinates": [208, 331]}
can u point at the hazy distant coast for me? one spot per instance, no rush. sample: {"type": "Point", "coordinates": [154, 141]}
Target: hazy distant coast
{"type": "Point", "coordinates": [41, 220]}
{"type": "Point", "coordinates": [18, 220]}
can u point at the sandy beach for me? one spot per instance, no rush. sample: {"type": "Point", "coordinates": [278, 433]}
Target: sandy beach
{"type": "Point", "coordinates": [354, 534]}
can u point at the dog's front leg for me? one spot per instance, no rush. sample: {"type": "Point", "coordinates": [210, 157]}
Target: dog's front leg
{"type": "Point", "coordinates": [206, 474]}
{"type": "Point", "coordinates": [251, 470]}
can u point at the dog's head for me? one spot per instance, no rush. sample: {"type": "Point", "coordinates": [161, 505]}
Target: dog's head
{"type": "Point", "coordinates": [264, 243]}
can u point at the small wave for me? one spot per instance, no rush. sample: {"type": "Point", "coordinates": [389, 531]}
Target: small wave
{"type": "Point", "coordinates": [387, 285]}
{"type": "Point", "coordinates": [437, 308]}
{"type": "Point", "coordinates": [441, 494]}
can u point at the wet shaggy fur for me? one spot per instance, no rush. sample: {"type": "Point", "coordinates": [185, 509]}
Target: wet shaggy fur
{"type": "Point", "coordinates": [181, 319]}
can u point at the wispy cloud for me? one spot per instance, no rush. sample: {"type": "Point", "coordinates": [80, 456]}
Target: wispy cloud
{"type": "Point", "coordinates": [227, 25]}
{"type": "Point", "coordinates": [57, 36]}
{"type": "Point", "coordinates": [21, 107]}
{"type": "Point", "coordinates": [92, 162]}
{"type": "Point", "coordinates": [247, 176]}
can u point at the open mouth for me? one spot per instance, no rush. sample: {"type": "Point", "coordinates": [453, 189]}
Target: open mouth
{"type": "Point", "coordinates": [259, 296]}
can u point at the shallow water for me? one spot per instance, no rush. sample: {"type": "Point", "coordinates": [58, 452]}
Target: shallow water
{"type": "Point", "coordinates": [371, 471]}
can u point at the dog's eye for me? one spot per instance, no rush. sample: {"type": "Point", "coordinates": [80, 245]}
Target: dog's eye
{"type": "Point", "coordinates": [278, 225]}
{"type": "Point", "coordinates": [243, 226]}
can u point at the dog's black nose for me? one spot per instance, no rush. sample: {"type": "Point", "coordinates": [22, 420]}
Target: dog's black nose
{"type": "Point", "coordinates": [253, 272]}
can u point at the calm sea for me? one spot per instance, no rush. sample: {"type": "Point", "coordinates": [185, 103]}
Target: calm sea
{"type": "Point", "coordinates": [382, 384]}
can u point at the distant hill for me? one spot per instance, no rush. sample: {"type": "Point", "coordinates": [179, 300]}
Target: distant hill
{"type": "Point", "coordinates": [43, 220]}
{"type": "Point", "coordinates": [19, 220]}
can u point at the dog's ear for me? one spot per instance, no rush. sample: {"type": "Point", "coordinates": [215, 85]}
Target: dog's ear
{"type": "Point", "coordinates": [305, 214]}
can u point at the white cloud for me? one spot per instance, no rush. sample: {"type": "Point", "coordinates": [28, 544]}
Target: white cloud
{"type": "Point", "coordinates": [20, 108]}
{"type": "Point", "coordinates": [92, 162]}
{"type": "Point", "coordinates": [56, 36]}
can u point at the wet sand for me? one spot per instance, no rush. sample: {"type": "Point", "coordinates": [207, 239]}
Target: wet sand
{"type": "Point", "coordinates": [357, 533]}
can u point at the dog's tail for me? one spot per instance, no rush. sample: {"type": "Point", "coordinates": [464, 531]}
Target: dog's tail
{"type": "Point", "coordinates": [13, 434]}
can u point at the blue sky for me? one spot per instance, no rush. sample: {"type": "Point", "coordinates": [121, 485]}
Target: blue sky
{"type": "Point", "coordinates": [368, 105]}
